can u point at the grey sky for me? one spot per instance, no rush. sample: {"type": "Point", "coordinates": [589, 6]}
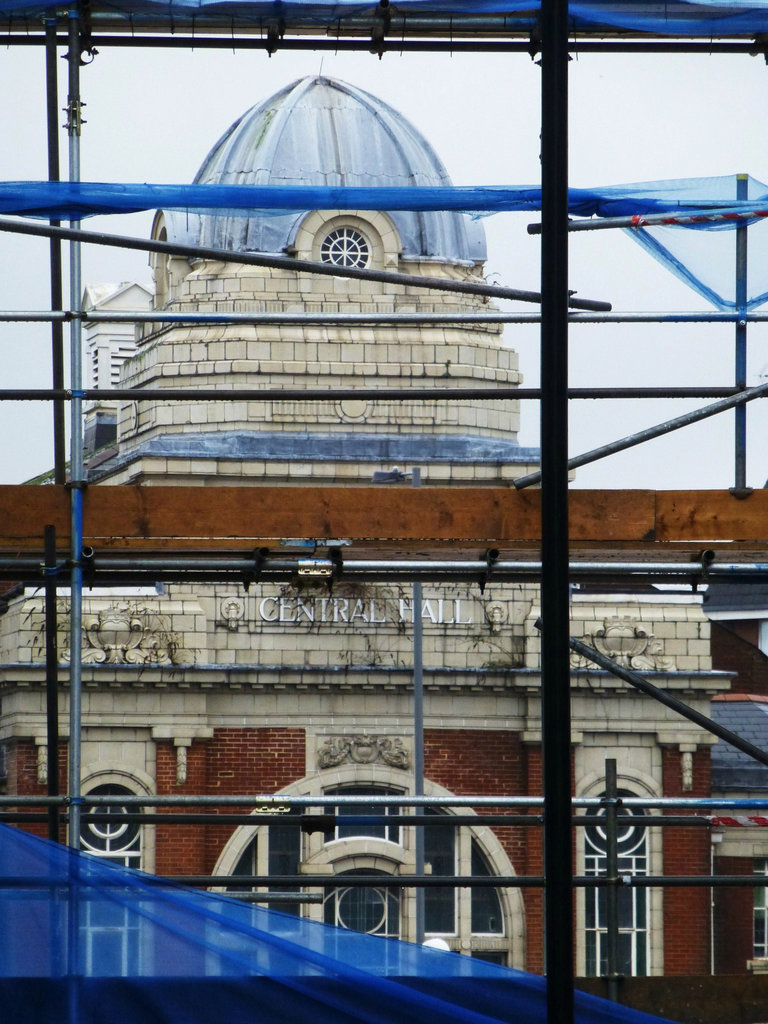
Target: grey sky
{"type": "Point", "coordinates": [152, 116]}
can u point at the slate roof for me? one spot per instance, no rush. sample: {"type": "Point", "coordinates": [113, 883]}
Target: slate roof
{"type": "Point", "coordinates": [735, 597]}
{"type": "Point", "coordinates": [747, 716]}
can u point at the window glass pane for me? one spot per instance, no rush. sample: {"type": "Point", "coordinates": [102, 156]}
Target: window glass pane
{"type": "Point", "coordinates": [284, 858]}
{"type": "Point", "coordinates": [486, 906]}
{"type": "Point", "coordinates": [391, 832]}
{"type": "Point", "coordinates": [440, 904]}
{"type": "Point", "coordinates": [491, 956]}
{"type": "Point", "coordinates": [632, 903]}
{"type": "Point", "coordinates": [364, 909]}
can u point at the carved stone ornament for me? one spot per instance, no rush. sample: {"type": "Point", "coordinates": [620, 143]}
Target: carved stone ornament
{"type": "Point", "coordinates": [232, 612]}
{"type": "Point", "coordinates": [42, 764]}
{"type": "Point", "coordinates": [686, 770]}
{"type": "Point", "coordinates": [126, 635]}
{"type": "Point", "coordinates": [496, 616]}
{"type": "Point", "coordinates": [181, 764]}
{"type": "Point", "coordinates": [338, 750]}
{"type": "Point", "coordinates": [625, 641]}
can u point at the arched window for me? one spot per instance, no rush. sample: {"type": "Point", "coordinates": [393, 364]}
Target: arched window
{"type": "Point", "coordinates": [110, 929]}
{"type": "Point", "coordinates": [633, 934]}
{"type": "Point", "coordinates": [118, 841]}
{"type": "Point", "coordinates": [471, 919]}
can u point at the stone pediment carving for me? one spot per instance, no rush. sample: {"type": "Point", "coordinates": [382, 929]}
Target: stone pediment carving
{"type": "Point", "coordinates": [121, 633]}
{"type": "Point", "coordinates": [387, 750]}
{"type": "Point", "coordinates": [624, 640]}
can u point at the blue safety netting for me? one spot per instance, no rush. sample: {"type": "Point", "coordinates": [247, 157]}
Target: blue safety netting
{"type": "Point", "coordinates": [83, 942]}
{"type": "Point", "coordinates": [709, 18]}
{"type": "Point", "coordinates": [73, 200]}
{"type": "Point", "coordinates": [703, 255]}
{"type": "Point", "coordinates": [700, 254]}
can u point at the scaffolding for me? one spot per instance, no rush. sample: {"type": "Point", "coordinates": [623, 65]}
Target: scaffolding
{"type": "Point", "coordinates": [108, 542]}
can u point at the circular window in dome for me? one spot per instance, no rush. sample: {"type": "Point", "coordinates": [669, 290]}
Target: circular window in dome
{"type": "Point", "coordinates": [345, 247]}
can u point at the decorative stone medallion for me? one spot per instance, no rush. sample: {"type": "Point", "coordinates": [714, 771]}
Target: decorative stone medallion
{"type": "Point", "coordinates": [387, 750]}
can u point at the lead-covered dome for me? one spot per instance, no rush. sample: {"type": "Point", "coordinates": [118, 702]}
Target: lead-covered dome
{"type": "Point", "coordinates": [319, 131]}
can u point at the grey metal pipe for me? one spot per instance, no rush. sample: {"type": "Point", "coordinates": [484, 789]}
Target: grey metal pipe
{"type": "Point", "coordinates": [740, 344]}
{"type": "Point", "coordinates": [284, 263]}
{"type": "Point", "coordinates": [269, 801]}
{"type": "Point", "coordinates": [362, 319]}
{"type": "Point", "coordinates": [612, 878]}
{"type": "Point", "coordinates": [404, 39]}
{"type": "Point", "coordinates": [74, 125]}
{"type": "Point", "coordinates": [659, 430]}
{"type": "Point", "coordinates": [466, 568]}
{"type": "Point", "coordinates": [51, 680]}
{"type": "Point", "coordinates": [436, 393]}
{"type": "Point", "coordinates": [54, 253]}
{"type": "Point", "coordinates": [418, 734]}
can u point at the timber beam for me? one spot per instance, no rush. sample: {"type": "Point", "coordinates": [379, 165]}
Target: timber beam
{"type": "Point", "coordinates": [388, 520]}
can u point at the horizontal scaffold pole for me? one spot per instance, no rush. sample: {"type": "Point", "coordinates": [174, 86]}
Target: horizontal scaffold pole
{"type": "Point", "coordinates": [196, 252]}
{"type": "Point", "coordinates": [166, 317]}
{"type": "Point", "coordinates": [437, 393]}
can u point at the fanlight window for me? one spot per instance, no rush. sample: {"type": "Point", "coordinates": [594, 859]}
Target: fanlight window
{"type": "Point", "coordinates": [371, 909]}
{"type": "Point", "coordinates": [118, 841]}
{"type": "Point", "coordinates": [345, 247]}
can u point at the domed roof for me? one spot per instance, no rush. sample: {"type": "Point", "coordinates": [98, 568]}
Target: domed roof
{"type": "Point", "coordinates": [319, 131]}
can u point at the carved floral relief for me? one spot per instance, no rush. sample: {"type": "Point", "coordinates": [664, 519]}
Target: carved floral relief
{"type": "Point", "coordinates": [624, 640]}
{"type": "Point", "coordinates": [387, 750]}
{"type": "Point", "coordinates": [122, 633]}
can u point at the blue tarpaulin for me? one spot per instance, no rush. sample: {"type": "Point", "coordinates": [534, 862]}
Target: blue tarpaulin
{"type": "Point", "coordinates": [85, 941]}
{"type": "Point", "coordinates": [74, 200]}
{"type": "Point", "coordinates": [710, 18]}
{"type": "Point", "coordinates": [706, 266]}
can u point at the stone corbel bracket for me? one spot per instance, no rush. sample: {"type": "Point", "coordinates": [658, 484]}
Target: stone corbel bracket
{"type": "Point", "coordinates": [182, 741]}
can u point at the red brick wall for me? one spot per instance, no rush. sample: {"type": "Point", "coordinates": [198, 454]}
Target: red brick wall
{"type": "Point", "coordinates": [733, 919]}
{"type": "Point", "coordinates": [22, 777]}
{"type": "Point", "coordinates": [533, 899]}
{"type": "Point", "coordinates": [234, 762]}
{"type": "Point", "coordinates": [687, 851]}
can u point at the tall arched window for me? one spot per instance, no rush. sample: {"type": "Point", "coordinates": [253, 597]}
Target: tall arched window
{"type": "Point", "coordinates": [471, 919]}
{"type": "Point", "coordinates": [633, 934]}
{"type": "Point", "coordinates": [110, 928]}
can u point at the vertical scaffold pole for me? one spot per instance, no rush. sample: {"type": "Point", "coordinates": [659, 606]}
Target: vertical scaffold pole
{"type": "Point", "coordinates": [57, 328]}
{"type": "Point", "coordinates": [74, 123]}
{"type": "Point", "coordinates": [740, 425]}
{"type": "Point", "coordinates": [555, 656]}
{"type": "Point", "coordinates": [418, 737]}
{"type": "Point", "coordinates": [612, 872]}
{"type": "Point", "coordinates": [52, 679]}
